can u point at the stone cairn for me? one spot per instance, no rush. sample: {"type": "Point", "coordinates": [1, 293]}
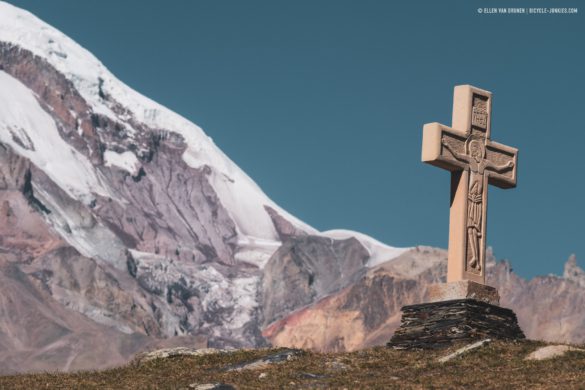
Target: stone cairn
{"type": "Point", "coordinates": [439, 324]}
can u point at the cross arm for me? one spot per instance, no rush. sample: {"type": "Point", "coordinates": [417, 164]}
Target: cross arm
{"type": "Point", "coordinates": [502, 164]}
{"type": "Point", "coordinates": [444, 147]}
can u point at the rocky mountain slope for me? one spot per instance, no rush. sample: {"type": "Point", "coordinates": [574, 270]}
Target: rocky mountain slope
{"type": "Point", "coordinates": [121, 218]}
{"type": "Point", "coordinates": [122, 221]}
{"type": "Point", "coordinates": [366, 313]}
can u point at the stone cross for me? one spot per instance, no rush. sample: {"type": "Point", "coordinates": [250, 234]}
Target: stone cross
{"type": "Point", "coordinates": [474, 161]}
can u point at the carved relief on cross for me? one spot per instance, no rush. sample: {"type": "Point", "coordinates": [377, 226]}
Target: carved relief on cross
{"type": "Point", "coordinates": [474, 161]}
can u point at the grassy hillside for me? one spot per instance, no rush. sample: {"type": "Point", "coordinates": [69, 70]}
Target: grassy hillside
{"type": "Point", "coordinates": [496, 365]}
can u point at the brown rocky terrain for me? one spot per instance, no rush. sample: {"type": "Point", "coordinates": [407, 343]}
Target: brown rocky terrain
{"type": "Point", "coordinates": [366, 313]}
{"type": "Point", "coordinates": [495, 365]}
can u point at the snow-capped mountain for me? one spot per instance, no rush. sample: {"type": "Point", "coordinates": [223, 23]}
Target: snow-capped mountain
{"type": "Point", "coordinates": [100, 180]}
{"type": "Point", "coordinates": [123, 227]}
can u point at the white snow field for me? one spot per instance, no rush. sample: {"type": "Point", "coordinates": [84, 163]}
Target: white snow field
{"type": "Point", "coordinates": [379, 252]}
{"type": "Point", "coordinates": [126, 161]}
{"type": "Point", "coordinates": [32, 133]}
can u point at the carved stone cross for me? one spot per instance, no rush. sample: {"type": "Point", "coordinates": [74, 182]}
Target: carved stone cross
{"type": "Point", "coordinates": [474, 161]}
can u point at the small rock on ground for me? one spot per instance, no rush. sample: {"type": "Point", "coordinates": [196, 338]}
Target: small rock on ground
{"type": "Point", "coordinates": [211, 386]}
{"type": "Point", "coordinates": [173, 352]}
{"type": "Point", "coordinates": [337, 366]}
{"type": "Point", "coordinates": [465, 349]}
{"type": "Point", "coordinates": [309, 375]}
{"type": "Point", "coordinates": [266, 361]}
{"type": "Point", "coordinates": [551, 351]}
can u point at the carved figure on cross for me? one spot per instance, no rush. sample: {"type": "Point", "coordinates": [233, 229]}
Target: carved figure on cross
{"type": "Point", "coordinates": [475, 159]}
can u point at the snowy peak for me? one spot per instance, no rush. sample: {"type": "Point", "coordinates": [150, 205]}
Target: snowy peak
{"type": "Point", "coordinates": [142, 225]}
{"type": "Point", "coordinates": [109, 97]}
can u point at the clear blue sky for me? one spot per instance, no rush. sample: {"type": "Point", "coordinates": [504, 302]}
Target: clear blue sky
{"type": "Point", "coordinates": [322, 103]}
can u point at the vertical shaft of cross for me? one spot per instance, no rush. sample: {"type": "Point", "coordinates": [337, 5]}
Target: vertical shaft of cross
{"type": "Point", "coordinates": [474, 161]}
{"type": "Point", "coordinates": [468, 212]}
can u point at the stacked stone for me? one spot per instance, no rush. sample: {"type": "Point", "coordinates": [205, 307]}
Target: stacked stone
{"type": "Point", "coordinates": [440, 324]}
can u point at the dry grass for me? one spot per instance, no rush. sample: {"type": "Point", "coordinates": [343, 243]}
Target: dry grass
{"type": "Point", "coordinates": [499, 365]}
